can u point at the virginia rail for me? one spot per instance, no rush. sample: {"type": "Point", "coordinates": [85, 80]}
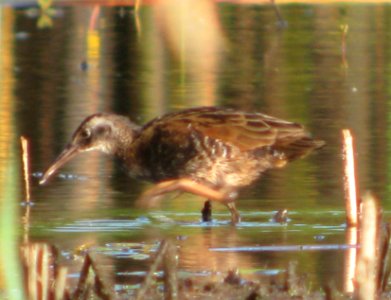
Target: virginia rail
{"type": "Point", "coordinates": [208, 151]}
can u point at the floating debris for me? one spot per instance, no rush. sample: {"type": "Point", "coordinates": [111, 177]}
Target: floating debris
{"type": "Point", "coordinates": [281, 216]}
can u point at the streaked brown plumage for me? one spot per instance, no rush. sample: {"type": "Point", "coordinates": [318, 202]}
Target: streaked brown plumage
{"type": "Point", "coordinates": [208, 151]}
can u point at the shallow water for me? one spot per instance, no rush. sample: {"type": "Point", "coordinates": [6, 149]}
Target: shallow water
{"type": "Point", "coordinates": [98, 58]}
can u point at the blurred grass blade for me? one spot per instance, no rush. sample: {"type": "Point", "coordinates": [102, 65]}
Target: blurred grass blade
{"type": "Point", "coordinates": [10, 269]}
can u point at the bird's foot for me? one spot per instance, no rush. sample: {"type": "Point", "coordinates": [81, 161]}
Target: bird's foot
{"type": "Point", "coordinates": [235, 215]}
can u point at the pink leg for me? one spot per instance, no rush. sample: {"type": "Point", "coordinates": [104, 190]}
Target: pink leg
{"type": "Point", "coordinates": [235, 216]}
{"type": "Point", "coordinates": [151, 196]}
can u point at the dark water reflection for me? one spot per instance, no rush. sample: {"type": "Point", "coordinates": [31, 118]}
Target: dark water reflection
{"type": "Point", "coordinates": [106, 59]}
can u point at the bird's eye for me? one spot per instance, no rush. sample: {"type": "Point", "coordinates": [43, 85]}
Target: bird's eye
{"type": "Point", "coordinates": [86, 133]}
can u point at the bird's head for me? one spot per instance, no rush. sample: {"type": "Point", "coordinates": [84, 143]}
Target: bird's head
{"type": "Point", "coordinates": [103, 132]}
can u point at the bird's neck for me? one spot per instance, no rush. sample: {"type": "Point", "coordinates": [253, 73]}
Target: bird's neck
{"type": "Point", "coordinates": [125, 142]}
{"type": "Point", "coordinates": [120, 141]}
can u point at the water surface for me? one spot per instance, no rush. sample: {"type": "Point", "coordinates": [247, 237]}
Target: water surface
{"type": "Point", "coordinates": [98, 58]}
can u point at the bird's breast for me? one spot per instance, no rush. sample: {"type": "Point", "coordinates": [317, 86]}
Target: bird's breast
{"type": "Point", "coordinates": [162, 156]}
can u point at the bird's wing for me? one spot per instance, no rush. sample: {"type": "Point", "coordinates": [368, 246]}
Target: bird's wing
{"type": "Point", "coordinates": [246, 131]}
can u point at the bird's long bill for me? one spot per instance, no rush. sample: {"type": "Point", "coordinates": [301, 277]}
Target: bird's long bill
{"type": "Point", "coordinates": [69, 152]}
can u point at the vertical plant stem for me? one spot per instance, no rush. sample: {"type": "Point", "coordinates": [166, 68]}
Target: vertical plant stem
{"type": "Point", "coordinates": [281, 22]}
{"type": "Point", "coordinates": [27, 184]}
{"type": "Point", "coordinates": [60, 284]}
{"type": "Point", "coordinates": [350, 260]}
{"type": "Point", "coordinates": [26, 166]}
{"type": "Point", "coordinates": [367, 263]}
{"type": "Point", "coordinates": [384, 256]}
{"type": "Point", "coordinates": [350, 186]}
{"type": "Point", "coordinates": [10, 268]}
{"type": "Point", "coordinates": [137, 6]}
{"type": "Point", "coordinates": [149, 279]}
{"type": "Point", "coordinates": [345, 29]}
{"type": "Point", "coordinates": [170, 272]}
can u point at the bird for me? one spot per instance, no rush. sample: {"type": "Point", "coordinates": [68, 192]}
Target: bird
{"type": "Point", "coordinates": [208, 151]}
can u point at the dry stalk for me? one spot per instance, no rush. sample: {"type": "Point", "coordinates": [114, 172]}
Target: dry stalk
{"type": "Point", "coordinates": [344, 29]}
{"type": "Point", "coordinates": [368, 258]}
{"type": "Point", "coordinates": [350, 260]}
{"type": "Point", "coordinates": [166, 255]}
{"type": "Point", "coordinates": [90, 278]}
{"type": "Point", "coordinates": [281, 22]}
{"type": "Point", "coordinates": [384, 259]}
{"type": "Point", "coordinates": [350, 186]}
{"type": "Point", "coordinates": [26, 166]}
{"type": "Point", "coordinates": [26, 172]}
{"type": "Point", "coordinates": [43, 279]}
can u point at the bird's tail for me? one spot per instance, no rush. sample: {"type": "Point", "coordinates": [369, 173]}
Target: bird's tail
{"type": "Point", "coordinates": [301, 147]}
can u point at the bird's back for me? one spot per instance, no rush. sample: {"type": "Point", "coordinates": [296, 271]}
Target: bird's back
{"type": "Point", "coordinates": [219, 145]}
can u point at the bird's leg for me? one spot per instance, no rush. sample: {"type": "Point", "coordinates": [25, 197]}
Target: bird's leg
{"type": "Point", "coordinates": [207, 212]}
{"type": "Point", "coordinates": [151, 196]}
{"type": "Point", "coordinates": [183, 184]}
{"type": "Point", "coordinates": [235, 215]}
